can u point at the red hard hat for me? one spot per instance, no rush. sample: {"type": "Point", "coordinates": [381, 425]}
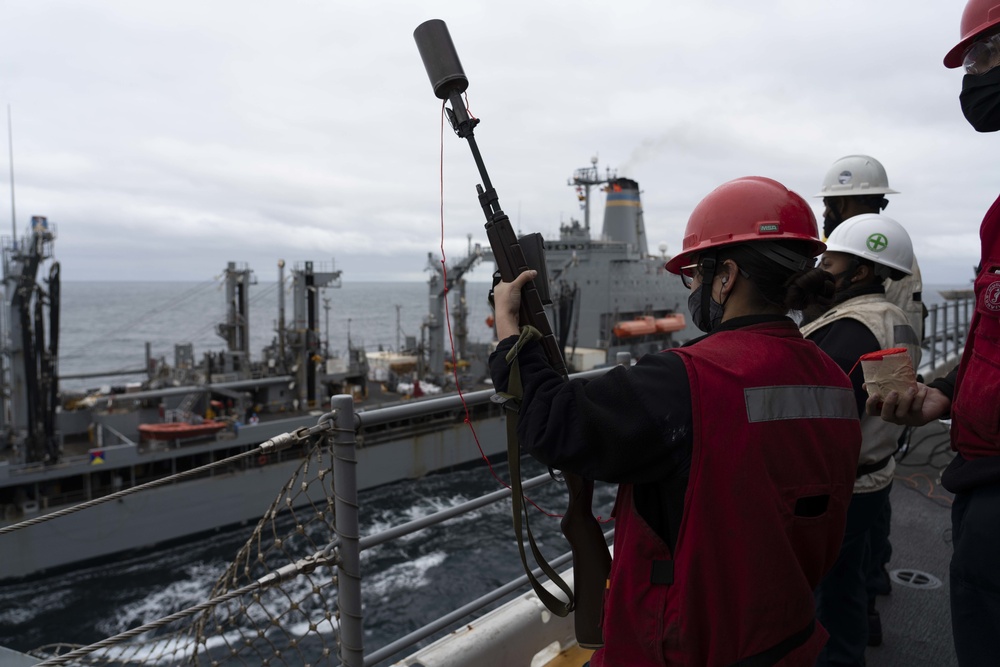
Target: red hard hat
{"type": "Point", "coordinates": [752, 208]}
{"type": "Point", "coordinates": [979, 17]}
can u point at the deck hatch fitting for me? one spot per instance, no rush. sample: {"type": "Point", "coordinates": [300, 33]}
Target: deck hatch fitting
{"type": "Point", "coordinates": [915, 579]}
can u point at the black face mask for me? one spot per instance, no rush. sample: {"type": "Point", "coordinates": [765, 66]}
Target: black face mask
{"type": "Point", "coordinates": [839, 286]}
{"type": "Point", "coordinates": [980, 100]}
{"type": "Point", "coordinates": [845, 289]}
{"type": "Point", "coordinates": [715, 311]}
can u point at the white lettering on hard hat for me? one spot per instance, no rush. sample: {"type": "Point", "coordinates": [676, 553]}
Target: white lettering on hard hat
{"type": "Point", "coordinates": [768, 228]}
{"type": "Point", "coordinates": [844, 177]}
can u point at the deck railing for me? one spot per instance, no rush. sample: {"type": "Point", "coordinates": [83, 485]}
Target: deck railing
{"type": "Point", "coordinates": [945, 330]}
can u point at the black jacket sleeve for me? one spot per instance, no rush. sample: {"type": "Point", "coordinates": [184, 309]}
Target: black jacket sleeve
{"type": "Point", "coordinates": [846, 340]}
{"type": "Point", "coordinates": [628, 425]}
{"type": "Point", "coordinates": [946, 384]}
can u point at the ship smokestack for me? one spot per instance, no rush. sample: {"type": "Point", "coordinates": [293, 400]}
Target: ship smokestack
{"type": "Point", "coordinates": [623, 215]}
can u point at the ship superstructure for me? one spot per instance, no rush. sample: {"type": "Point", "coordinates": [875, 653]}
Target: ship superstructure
{"type": "Point", "coordinates": [609, 294]}
{"type": "Point", "coordinates": [28, 401]}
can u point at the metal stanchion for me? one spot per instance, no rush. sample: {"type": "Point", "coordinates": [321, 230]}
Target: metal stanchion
{"type": "Point", "coordinates": [345, 489]}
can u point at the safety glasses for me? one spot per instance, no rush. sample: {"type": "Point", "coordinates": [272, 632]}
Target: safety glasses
{"type": "Point", "coordinates": [687, 274]}
{"type": "Point", "coordinates": [691, 270]}
{"type": "Point", "coordinates": [983, 55]}
{"type": "Point", "coordinates": [707, 263]}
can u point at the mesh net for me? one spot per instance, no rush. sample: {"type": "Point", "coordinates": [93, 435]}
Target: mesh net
{"type": "Point", "coordinates": [274, 604]}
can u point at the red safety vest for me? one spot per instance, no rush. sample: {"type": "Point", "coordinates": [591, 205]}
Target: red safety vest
{"type": "Point", "coordinates": [975, 407]}
{"type": "Point", "coordinates": [775, 431]}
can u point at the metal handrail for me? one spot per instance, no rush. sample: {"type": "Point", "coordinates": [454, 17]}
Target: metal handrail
{"type": "Point", "coordinates": [947, 326]}
{"type": "Point", "coordinates": [422, 407]}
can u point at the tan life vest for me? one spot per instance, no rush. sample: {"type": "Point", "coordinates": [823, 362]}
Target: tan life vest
{"type": "Point", "coordinates": [891, 328]}
{"type": "Point", "coordinates": [907, 294]}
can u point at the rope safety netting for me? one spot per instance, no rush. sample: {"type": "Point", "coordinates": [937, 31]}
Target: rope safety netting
{"type": "Point", "coordinates": [275, 604]}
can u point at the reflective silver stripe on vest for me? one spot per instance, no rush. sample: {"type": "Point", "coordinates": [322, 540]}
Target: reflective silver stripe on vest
{"type": "Point", "coordinates": [766, 404]}
{"type": "Point", "coordinates": [903, 334]}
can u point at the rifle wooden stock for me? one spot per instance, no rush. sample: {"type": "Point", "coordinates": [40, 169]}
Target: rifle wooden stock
{"type": "Point", "coordinates": [591, 559]}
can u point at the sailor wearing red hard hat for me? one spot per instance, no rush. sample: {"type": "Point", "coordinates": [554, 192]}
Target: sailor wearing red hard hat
{"type": "Point", "coordinates": [969, 394]}
{"type": "Point", "coordinates": [735, 454]}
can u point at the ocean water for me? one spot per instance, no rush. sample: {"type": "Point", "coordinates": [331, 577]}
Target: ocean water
{"type": "Point", "coordinates": [106, 325]}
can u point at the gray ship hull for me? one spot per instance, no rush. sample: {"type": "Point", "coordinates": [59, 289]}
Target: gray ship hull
{"type": "Point", "coordinates": [187, 508]}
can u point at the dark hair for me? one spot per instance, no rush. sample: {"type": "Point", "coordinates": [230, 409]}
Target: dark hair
{"type": "Point", "coordinates": [879, 272]}
{"type": "Point", "coordinates": [779, 286]}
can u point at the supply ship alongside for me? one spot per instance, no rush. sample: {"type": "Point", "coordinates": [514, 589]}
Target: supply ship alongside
{"type": "Point", "coordinates": [609, 294]}
{"type": "Point", "coordinates": [58, 449]}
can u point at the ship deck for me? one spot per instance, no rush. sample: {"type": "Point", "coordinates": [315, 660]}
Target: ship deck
{"type": "Point", "coordinates": [574, 656]}
{"type": "Point", "coordinates": [916, 618]}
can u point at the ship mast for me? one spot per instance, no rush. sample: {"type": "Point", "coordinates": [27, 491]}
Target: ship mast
{"type": "Point", "coordinates": [305, 336]}
{"type": "Point", "coordinates": [584, 179]}
{"type": "Point", "coordinates": [28, 418]}
{"type": "Point", "coordinates": [434, 323]}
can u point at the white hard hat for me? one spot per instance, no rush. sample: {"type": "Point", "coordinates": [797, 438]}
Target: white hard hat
{"type": "Point", "coordinates": [856, 175]}
{"type": "Point", "coordinates": [874, 237]}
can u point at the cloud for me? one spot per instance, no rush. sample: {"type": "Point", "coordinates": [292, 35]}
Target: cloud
{"type": "Point", "coordinates": [166, 139]}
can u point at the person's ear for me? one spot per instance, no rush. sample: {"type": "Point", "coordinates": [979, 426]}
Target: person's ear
{"type": "Point", "coordinates": [727, 273]}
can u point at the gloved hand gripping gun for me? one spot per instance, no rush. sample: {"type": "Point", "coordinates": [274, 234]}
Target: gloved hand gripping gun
{"type": "Point", "coordinates": [591, 560]}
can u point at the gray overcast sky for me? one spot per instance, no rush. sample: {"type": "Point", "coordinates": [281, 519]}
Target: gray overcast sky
{"type": "Point", "coordinates": [164, 139]}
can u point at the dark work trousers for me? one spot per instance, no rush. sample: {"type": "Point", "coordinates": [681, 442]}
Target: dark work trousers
{"type": "Point", "coordinates": [842, 596]}
{"type": "Point", "coordinates": [878, 578]}
{"type": "Point", "coordinates": [975, 576]}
